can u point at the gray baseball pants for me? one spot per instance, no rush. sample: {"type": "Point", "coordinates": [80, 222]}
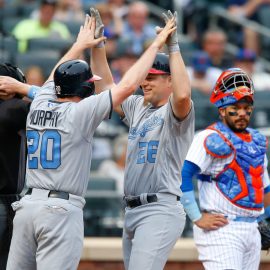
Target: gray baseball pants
{"type": "Point", "coordinates": [151, 231]}
{"type": "Point", "coordinates": [47, 233]}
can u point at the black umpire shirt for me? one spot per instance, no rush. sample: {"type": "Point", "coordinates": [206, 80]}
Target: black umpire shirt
{"type": "Point", "coordinates": [13, 114]}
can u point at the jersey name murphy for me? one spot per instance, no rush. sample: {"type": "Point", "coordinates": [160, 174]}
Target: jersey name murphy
{"type": "Point", "coordinates": [44, 118]}
{"type": "Point", "coordinates": [149, 125]}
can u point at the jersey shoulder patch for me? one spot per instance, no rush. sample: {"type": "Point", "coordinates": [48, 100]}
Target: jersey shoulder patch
{"type": "Point", "coordinates": [216, 146]}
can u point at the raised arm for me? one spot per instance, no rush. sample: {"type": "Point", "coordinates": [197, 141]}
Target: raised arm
{"type": "Point", "coordinates": [85, 39]}
{"type": "Point", "coordinates": [137, 73]}
{"type": "Point", "coordinates": [99, 63]}
{"type": "Point", "coordinates": [9, 86]}
{"type": "Point", "coordinates": [181, 94]}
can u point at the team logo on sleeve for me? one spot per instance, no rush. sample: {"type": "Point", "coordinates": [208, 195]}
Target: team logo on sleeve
{"type": "Point", "coordinates": [149, 125]}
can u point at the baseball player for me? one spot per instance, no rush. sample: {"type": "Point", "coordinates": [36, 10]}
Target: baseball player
{"type": "Point", "coordinates": [48, 225]}
{"type": "Point", "coordinates": [161, 126]}
{"type": "Point", "coordinates": [229, 161]}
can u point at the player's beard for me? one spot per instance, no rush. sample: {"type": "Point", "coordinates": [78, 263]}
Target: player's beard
{"type": "Point", "coordinates": [233, 124]}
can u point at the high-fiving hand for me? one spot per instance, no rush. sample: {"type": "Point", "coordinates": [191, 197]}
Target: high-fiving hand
{"type": "Point", "coordinates": [164, 33]}
{"type": "Point", "coordinates": [172, 41]}
{"type": "Point", "coordinates": [99, 32]}
{"type": "Point", "coordinates": [86, 37]}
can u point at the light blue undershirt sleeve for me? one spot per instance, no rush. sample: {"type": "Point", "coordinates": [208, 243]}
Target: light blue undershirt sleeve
{"type": "Point", "coordinates": [188, 199]}
{"type": "Point", "coordinates": [33, 90]}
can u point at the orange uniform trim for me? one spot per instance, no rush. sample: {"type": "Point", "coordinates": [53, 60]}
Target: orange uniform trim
{"type": "Point", "coordinates": [257, 182]}
{"type": "Point", "coordinates": [242, 181]}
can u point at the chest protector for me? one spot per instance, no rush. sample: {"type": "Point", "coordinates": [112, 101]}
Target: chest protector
{"type": "Point", "coordinates": [241, 181]}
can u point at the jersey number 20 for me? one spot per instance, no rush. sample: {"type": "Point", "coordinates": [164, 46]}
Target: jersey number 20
{"type": "Point", "coordinates": [50, 149]}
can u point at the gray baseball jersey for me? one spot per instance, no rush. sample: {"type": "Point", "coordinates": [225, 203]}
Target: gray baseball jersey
{"type": "Point", "coordinates": [59, 138]}
{"type": "Point", "coordinates": [157, 147]}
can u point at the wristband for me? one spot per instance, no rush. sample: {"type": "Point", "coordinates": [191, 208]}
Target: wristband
{"type": "Point", "coordinates": [100, 44]}
{"type": "Point", "coordinates": [173, 48]}
{"type": "Point", "coordinates": [33, 91]}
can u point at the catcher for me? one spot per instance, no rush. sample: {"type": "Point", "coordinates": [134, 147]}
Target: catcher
{"type": "Point", "coordinates": [229, 160]}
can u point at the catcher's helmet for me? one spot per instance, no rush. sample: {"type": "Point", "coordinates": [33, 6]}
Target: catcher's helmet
{"type": "Point", "coordinates": [161, 65]}
{"type": "Point", "coordinates": [74, 78]}
{"type": "Point", "coordinates": [12, 71]}
{"type": "Point", "coordinates": [232, 85]}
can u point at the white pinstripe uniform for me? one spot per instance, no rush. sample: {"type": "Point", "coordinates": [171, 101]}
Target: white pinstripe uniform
{"type": "Point", "coordinates": [237, 245]}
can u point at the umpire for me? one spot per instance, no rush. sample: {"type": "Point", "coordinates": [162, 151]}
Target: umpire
{"type": "Point", "coordinates": [13, 113]}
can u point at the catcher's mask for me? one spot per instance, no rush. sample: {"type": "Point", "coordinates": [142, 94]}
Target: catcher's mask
{"type": "Point", "coordinates": [74, 78]}
{"type": "Point", "coordinates": [232, 85]}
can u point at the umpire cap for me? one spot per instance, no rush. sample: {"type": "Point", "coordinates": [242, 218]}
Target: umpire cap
{"type": "Point", "coordinates": [12, 71]}
{"type": "Point", "coordinates": [74, 78]}
{"type": "Point", "coordinates": [161, 65]}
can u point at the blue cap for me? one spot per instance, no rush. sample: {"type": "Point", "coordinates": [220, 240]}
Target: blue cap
{"type": "Point", "coordinates": [201, 61]}
{"type": "Point", "coordinates": [245, 55]}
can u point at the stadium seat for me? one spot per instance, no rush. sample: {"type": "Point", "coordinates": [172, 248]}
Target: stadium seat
{"type": "Point", "coordinates": [58, 44]}
{"type": "Point", "coordinates": [101, 183]}
{"type": "Point", "coordinates": [8, 49]}
{"type": "Point", "coordinates": [45, 60]}
{"type": "Point", "coordinates": [5, 56]}
{"type": "Point", "coordinates": [103, 213]}
{"type": "Point", "coordinates": [261, 113]}
{"type": "Point", "coordinates": [73, 27]}
{"type": "Point", "coordinates": [9, 24]}
{"type": "Point", "coordinates": [205, 112]}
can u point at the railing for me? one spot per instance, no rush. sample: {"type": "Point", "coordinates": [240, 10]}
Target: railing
{"type": "Point", "coordinates": [220, 12]}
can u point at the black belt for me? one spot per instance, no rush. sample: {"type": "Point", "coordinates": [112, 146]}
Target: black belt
{"type": "Point", "coordinates": [134, 201]}
{"type": "Point", "coordinates": [53, 194]}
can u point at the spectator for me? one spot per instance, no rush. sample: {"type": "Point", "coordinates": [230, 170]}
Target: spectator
{"type": "Point", "coordinates": [246, 60]}
{"type": "Point", "coordinates": [249, 9]}
{"type": "Point", "coordinates": [136, 27]}
{"type": "Point", "coordinates": [214, 43]}
{"type": "Point", "coordinates": [202, 76]}
{"type": "Point", "coordinates": [69, 10]}
{"type": "Point", "coordinates": [113, 24]}
{"type": "Point", "coordinates": [34, 76]}
{"type": "Point", "coordinates": [44, 26]}
{"type": "Point", "coordinates": [124, 58]}
{"type": "Point", "coordinates": [115, 168]}
{"type": "Point", "coordinates": [119, 7]}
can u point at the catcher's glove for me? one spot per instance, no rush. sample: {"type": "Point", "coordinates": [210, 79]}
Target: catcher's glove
{"type": "Point", "coordinates": [264, 229]}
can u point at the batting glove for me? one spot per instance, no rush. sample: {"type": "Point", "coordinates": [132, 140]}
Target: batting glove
{"type": "Point", "coordinates": [99, 31]}
{"type": "Point", "coordinates": [172, 42]}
